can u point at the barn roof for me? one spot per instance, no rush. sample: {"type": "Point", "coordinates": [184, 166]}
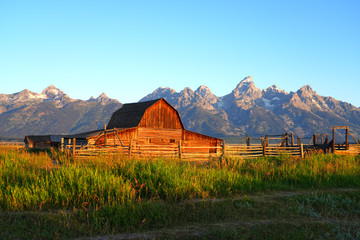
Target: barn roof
{"type": "Point", "coordinates": [43, 138]}
{"type": "Point", "coordinates": [86, 134]}
{"type": "Point", "coordinates": [57, 138]}
{"type": "Point", "coordinates": [130, 114]}
{"type": "Point", "coordinates": [37, 138]}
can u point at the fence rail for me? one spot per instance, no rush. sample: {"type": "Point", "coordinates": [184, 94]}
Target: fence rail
{"type": "Point", "coordinates": [183, 150]}
{"type": "Point", "coordinates": [250, 147]}
{"type": "Point", "coordinates": [262, 150]}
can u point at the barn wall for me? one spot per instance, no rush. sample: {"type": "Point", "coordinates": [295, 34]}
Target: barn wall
{"type": "Point", "coordinates": [42, 145]}
{"type": "Point", "coordinates": [161, 115]}
{"type": "Point", "coordinates": [121, 137]}
{"type": "Point", "coordinates": [159, 136]}
{"type": "Point", "coordinates": [159, 133]}
{"type": "Point", "coordinates": [197, 140]}
{"type": "Point", "coordinates": [142, 136]}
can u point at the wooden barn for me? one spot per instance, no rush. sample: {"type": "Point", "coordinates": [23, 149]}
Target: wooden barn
{"type": "Point", "coordinates": [43, 141]}
{"type": "Point", "coordinates": [148, 127]}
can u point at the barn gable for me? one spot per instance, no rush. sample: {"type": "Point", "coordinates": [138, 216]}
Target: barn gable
{"type": "Point", "coordinates": [151, 114]}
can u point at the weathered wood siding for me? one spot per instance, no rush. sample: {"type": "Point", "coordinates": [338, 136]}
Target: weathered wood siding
{"type": "Point", "coordinates": [42, 145]}
{"type": "Point", "coordinates": [199, 143]}
{"type": "Point", "coordinates": [120, 137]}
{"type": "Point", "coordinates": [155, 136]}
{"type": "Point", "coordinates": [161, 115]}
{"type": "Point", "coordinates": [159, 133]}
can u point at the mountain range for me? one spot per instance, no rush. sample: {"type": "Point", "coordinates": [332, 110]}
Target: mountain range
{"type": "Point", "coordinates": [245, 110]}
{"type": "Point", "coordinates": [250, 110]}
{"type": "Point", "coordinates": [52, 112]}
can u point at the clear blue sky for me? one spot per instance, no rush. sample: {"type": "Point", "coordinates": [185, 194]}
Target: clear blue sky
{"type": "Point", "coordinates": [129, 48]}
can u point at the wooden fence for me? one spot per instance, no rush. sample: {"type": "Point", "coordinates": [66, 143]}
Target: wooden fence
{"type": "Point", "coordinates": [250, 147]}
{"type": "Point", "coordinates": [183, 151]}
{"type": "Point", "coordinates": [244, 151]}
{"type": "Point", "coordinates": [352, 149]}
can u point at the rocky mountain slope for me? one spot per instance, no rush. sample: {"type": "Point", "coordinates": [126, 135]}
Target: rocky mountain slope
{"type": "Point", "coordinates": [52, 112]}
{"type": "Point", "coordinates": [250, 110]}
{"type": "Point", "coordinates": [245, 110]}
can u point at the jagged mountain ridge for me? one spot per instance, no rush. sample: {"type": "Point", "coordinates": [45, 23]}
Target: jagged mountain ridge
{"type": "Point", "coordinates": [52, 112]}
{"type": "Point", "coordinates": [245, 110]}
{"type": "Point", "coordinates": [250, 110]}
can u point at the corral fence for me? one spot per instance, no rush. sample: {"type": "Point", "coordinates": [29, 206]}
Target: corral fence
{"type": "Point", "coordinates": [249, 147]}
{"type": "Point", "coordinates": [244, 151]}
{"type": "Point", "coordinates": [183, 150]}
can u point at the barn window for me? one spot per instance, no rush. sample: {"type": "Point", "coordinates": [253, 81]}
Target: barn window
{"type": "Point", "coordinates": [172, 140]}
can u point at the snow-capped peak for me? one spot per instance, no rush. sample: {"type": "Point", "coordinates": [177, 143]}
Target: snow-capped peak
{"type": "Point", "coordinates": [203, 88]}
{"type": "Point", "coordinates": [248, 79]}
{"type": "Point", "coordinates": [103, 95]}
{"type": "Point", "coordinates": [274, 88]}
{"type": "Point", "coordinates": [246, 87]}
{"type": "Point", "coordinates": [245, 83]}
{"type": "Point", "coordinates": [204, 91]}
{"type": "Point", "coordinates": [51, 91]}
{"type": "Point", "coordinates": [160, 92]}
{"type": "Point", "coordinates": [306, 88]}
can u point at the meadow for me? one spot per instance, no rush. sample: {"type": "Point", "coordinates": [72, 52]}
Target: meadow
{"type": "Point", "coordinates": [48, 195]}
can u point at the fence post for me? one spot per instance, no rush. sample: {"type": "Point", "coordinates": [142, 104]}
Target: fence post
{"type": "Point", "coordinates": [180, 150]}
{"type": "Point", "coordinates": [247, 140]}
{"type": "Point", "coordinates": [74, 147]}
{"type": "Point", "coordinates": [302, 150]}
{"type": "Point", "coordinates": [264, 149]}
{"type": "Point", "coordinates": [267, 140]}
{"type": "Point", "coordinates": [62, 144]}
{"type": "Point", "coordinates": [224, 148]}
{"type": "Point", "coordinates": [130, 146]}
{"type": "Point", "coordinates": [327, 139]}
{"type": "Point", "coordinates": [314, 140]}
{"type": "Point", "coordinates": [347, 138]}
{"type": "Point", "coordinates": [114, 137]}
{"type": "Point", "coordinates": [298, 140]}
{"type": "Point", "coordinates": [105, 135]}
{"type": "Point", "coordinates": [333, 145]}
{"type": "Point", "coordinates": [287, 139]}
{"type": "Point", "coordinates": [283, 140]}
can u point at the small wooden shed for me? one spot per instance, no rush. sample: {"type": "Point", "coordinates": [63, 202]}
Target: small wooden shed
{"type": "Point", "coordinates": [150, 123]}
{"type": "Point", "coordinates": [43, 141]}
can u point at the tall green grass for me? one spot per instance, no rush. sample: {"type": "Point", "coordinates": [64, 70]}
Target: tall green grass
{"type": "Point", "coordinates": [51, 180]}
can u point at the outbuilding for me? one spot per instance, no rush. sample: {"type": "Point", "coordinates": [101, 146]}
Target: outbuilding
{"type": "Point", "coordinates": [43, 141]}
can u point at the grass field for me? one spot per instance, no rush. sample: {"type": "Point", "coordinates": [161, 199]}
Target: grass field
{"type": "Point", "coordinates": [47, 195]}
